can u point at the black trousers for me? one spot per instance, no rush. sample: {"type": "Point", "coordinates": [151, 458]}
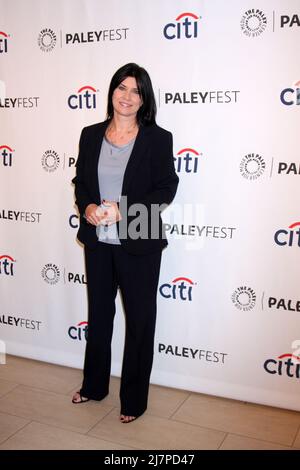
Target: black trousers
{"type": "Point", "coordinates": [109, 267]}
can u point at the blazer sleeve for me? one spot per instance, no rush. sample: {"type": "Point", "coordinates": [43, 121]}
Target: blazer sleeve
{"type": "Point", "coordinates": [82, 197]}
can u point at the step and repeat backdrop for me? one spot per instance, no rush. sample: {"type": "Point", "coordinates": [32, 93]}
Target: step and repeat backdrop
{"type": "Point", "coordinates": [227, 83]}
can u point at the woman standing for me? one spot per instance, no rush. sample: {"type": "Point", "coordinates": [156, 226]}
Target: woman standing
{"type": "Point", "coordinates": [125, 174]}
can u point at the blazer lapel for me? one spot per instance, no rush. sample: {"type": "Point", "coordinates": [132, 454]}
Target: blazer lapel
{"type": "Point", "coordinates": [99, 134]}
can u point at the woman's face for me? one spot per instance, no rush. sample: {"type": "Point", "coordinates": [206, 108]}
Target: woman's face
{"type": "Point", "coordinates": [126, 99]}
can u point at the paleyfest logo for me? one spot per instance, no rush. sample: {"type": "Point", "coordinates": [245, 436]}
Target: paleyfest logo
{"type": "Point", "coordinates": [253, 22]}
{"type": "Point", "coordinates": [291, 96]}
{"type": "Point", "coordinates": [185, 26]}
{"type": "Point", "coordinates": [284, 304]}
{"type": "Point", "coordinates": [285, 168]}
{"type": "Point", "coordinates": [289, 21]}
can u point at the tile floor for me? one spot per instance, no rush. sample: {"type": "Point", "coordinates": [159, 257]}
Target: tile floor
{"type": "Point", "coordinates": [36, 413]}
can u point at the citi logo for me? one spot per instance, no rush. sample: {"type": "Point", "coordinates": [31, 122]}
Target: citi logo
{"type": "Point", "coordinates": [6, 155]}
{"type": "Point", "coordinates": [73, 221]}
{"type": "Point", "coordinates": [85, 98]}
{"type": "Point", "coordinates": [7, 265]}
{"type": "Point", "coordinates": [186, 26]}
{"type": "Point", "coordinates": [286, 364]}
{"type": "Point", "coordinates": [289, 237]}
{"type": "Point", "coordinates": [291, 96]}
{"type": "Point", "coordinates": [79, 332]}
{"type": "Point", "coordinates": [187, 161]}
{"type": "Point", "coordinates": [3, 42]}
{"type": "Point", "coordinates": [180, 288]}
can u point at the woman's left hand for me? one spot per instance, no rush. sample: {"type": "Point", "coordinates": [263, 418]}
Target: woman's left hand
{"type": "Point", "coordinates": [111, 211]}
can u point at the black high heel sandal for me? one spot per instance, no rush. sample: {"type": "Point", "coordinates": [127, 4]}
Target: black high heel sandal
{"type": "Point", "coordinates": [81, 399]}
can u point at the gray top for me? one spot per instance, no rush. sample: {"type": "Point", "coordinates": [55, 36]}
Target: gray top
{"type": "Point", "coordinates": [111, 168]}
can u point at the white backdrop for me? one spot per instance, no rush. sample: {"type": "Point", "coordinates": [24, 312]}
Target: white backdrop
{"type": "Point", "coordinates": [226, 78]}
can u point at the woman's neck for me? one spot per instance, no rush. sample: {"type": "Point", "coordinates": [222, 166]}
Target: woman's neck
{"type": "Point", "coordinates": [121, 124]}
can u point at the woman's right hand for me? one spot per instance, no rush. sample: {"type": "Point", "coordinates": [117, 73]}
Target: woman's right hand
{"type": "Point", "coordinates": [94, 214]}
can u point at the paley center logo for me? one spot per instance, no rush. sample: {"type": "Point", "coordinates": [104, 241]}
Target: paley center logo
{"type": "Point", "coordinates": [288, 237]}
{"type": "Point", "coordinates": [3, 42]}
{"type": "Point", "coordinates": [6, 153]}
{"type": "Point", "coordinates": [185, 26]}
{"type": "Point", "coordinates": [7, 265]}
{"type": "Point", "coordinates": [252, 166]}
{"type": "Point", "coordinates": [180, 288]}
{"type": "Point", "coordinates": [253, 22]}
{"type": "Point", "coordinates": [186, 160]}
{"type": "Point", "coordinates": [50, 161]}
{"type": "Point", "coordinates": [85, 98]}
{"type": "Point", "coordinates": [79, 331]}
{"type": "Point", "coordinates": [51, 274]}
{"type": "Point", "coordinates": [244, 298]}
{"type": "Point", "coordinates": [291, 96]}
{"type": "Point", "coordinates": [287, 365]}
{"type": "Point", "coordinates": [47, 40]}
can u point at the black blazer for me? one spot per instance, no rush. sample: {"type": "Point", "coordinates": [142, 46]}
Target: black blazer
{"type": "Point", "coordinates": [149, 179]}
